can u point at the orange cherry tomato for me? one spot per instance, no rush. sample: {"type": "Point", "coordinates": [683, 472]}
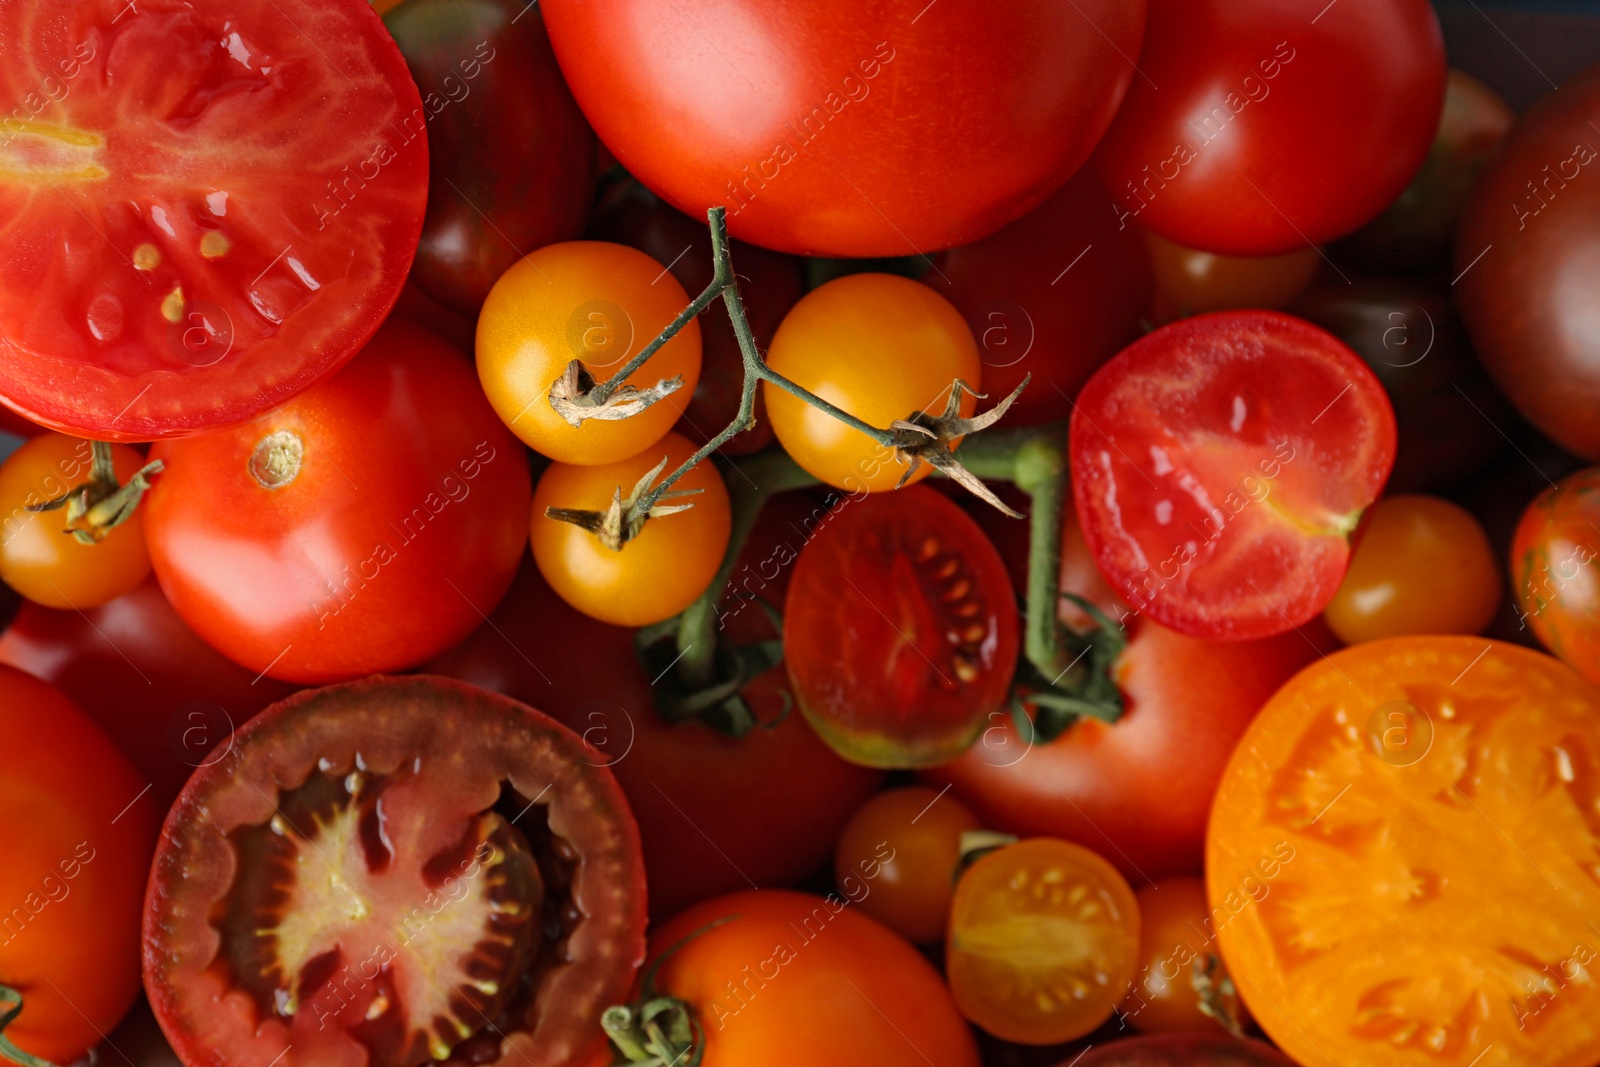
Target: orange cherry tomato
{"type": "Point", "coordinates": [1401, 859]}
{"type": "Point", "coordinates": [897, 858]}
{"type": "Point", "coordinates": [1043, 941]}
{"type": "Point", "coordinates": [598, 303]}
{"type": "Point", "coordinates": [37, 557]}
{"type": "Point", "coordinates": [1423, 566]}
{"type": "Point", "coordinates": [1175, 935]}
{"type": "Point", "coordinates": [879, 346]}
{"type": "Point", "coordinates": [655, 575]}
{"type": "Point", "coordinates": [1191, 282]}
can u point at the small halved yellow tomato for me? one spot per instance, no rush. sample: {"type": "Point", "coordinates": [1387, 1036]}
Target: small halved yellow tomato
{"type": "Point", "coordinates": [38, 558]}
{"type": "Point", "coordinates": [1043, 941]}
{"type": "Point", "coordinates": [1191, 282]}
{"type": "Point", "coordinates": [658, 573]}
{"type": "Point", "coordinates": [1423, 566]}
{"type": "Point", "coordinates": [880, 347]}
{"type": "Point", "coordinates": [598, 303]}
{"type": "Point", "coordinates": [897, 856]}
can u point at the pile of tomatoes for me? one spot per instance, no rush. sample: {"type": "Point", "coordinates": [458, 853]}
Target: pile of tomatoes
{"type": "Point", "coordinates": [738, 534]}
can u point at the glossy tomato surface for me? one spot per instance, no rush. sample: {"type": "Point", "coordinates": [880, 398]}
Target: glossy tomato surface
{"type": "Point", "coordinates": [207, 210]}
{"type": "Point", "coordinates": [79, 831]}
{"type": "Point", "coordinates": [1220, 466]}
{"type": "Point", "coordinates": [365, 527]}
{"type": "Point", "coordinates": [1555, 570]}
{"type": "Point", "coordinates": [849, 130]}
{"type": "Point", "coordinates": [1376, 802]}
{"type": "Point", "coordinates": [394, 870]}
{"type": "Point", "coordinates": [907, 844]}
{"type": "Point", "coordinates": [1175, 945]}
{"type": "Point", "coordinates": [1257, 127]}
{"type": "Point", "coordinates": [1527, 253]}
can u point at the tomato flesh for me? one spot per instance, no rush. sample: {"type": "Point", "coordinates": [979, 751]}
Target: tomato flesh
{"type": "Point", "coordinates": [1220, 466]}
{"type": "Point", "coordinates": [218, 206]}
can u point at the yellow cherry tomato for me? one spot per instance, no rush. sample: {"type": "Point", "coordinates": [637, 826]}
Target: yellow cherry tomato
{"type": "Point", "coordinates": [598, 303]}
{"type": "Point", "coordinates": [879, 346]}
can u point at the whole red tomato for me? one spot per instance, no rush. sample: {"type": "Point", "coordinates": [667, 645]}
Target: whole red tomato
{"type": "Point", "coordinates": [716, 813]}
{"type": "Point", "coordinates": [1053, 295]}
{"type": "Point", "coordinates": [837, 128]}
{"type": "Point", "coordinates": [1260, 126]}
{"type": "Point", "coordinates": [1528, 257]}
{"type": "Point", "coordinates": [1555, 570]}
{"type": "Point", "coordinates": [168, 699]}
{"type": "Point", "coordinates": [366, 526]}
{"type": "Point", "coordinates": [513, 161]}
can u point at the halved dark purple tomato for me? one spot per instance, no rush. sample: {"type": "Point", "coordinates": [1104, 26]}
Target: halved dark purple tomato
{"type": "Point", "coordinates": [204, 208]}
{"type": "Point", "coordinates": [393, 872]}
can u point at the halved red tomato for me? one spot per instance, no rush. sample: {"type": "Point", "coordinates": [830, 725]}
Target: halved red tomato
{"type": "Point", "coordinates": [206, 208]}
{"type": "Point", "coordinates": [392, 871]}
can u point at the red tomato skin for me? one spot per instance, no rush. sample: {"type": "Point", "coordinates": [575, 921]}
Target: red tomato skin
{"type": "Point", "coordinates": [1037, 308]}
{"type": "Point", "coordinates": [164, 696]}
{"type": "Point", "coordinates": [334, 575]}
{"type": "Point", "coordinates": [1137, 791]}
{"type": "Point", "coordinates": [1555, 570]}
{"type": "Point", "coordinates": [837, 129]}
{"type": "Point", "coordinates": [1327, 116]}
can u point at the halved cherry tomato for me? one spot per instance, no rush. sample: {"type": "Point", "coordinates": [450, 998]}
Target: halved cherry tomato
{"type": "Point", "coordinates": [1220, 466]}
{"type": "Point", "coordinates": [79, 830]}
{"type": "Point", "coordinates": [1043, 941]}
{"type": "Point", "coordinates": [897, 859]}
{"type": "Point", "coordinates": [900, 629]}
{"type": "Point", "coordinates": [390, 871]}
{"type": "Point", "coordinates": [658, 573]}
{"type": "Point", "coordinates": [38, 558]}
{"type": "Point", "coordinates": [1174, 939]}
{"type": "Point", "coordinates": [220, 203]}
{"type": "Point", "coordinates": [598, 303]}
{"type": "Point", "coordinates": [1555, 570]}
{"type": "Point", "coordinates": [1376, 802]}
{"type": "Point", "coordinates": [880, 347]}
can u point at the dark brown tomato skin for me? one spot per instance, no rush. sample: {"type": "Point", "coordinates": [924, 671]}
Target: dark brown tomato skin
{"type": "Point", "coordinates": [164, 696]}
{"type": "Point", "coordinates": [1529, 300]}
{"type": "Point", "coordinates": [513, 161]}
{"type": "Point", "coordinates": [1037, 309]}
{"type": "Point", "coordinates": [769, 283]}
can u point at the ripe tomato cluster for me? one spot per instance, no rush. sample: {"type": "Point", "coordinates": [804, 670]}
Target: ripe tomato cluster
{"type": "Point", "coordinates": [727, 533]}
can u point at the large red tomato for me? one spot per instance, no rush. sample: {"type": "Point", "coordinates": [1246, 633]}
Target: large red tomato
{"type": "Point", "coordinates": [364, 527]}
{"type": "Point", "coordinates": [207, 207]}
{"type": "Point", "coordinates": [842, 128]}
{"type": "Point", "coordinates": [1262, 126]}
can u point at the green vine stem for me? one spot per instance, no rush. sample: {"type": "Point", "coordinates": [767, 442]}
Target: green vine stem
{"type": "Point", "coordinates": [9, 1052]}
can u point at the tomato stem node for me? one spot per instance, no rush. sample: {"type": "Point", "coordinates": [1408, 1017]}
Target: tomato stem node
{"type": "Point", "coordinates": [101, 504]}
{"type": "Point", "coordinates": [576, 397]}
{"type": "Point", "coordinates": [623, 519]}
{"type": "Point", "coordinates": [9, 1052]}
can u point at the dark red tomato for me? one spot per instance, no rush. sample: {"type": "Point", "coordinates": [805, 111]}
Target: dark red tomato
{"type": "Point", "coordinates": [834, 128]}
{"type": "Point", "coordinates": [391, 871]}
{"type": "Point", "coordinates": [364, 527]}
{"type": "Point", "coordinates": [1260, 126]}
{"type": "Point", "coordinates": [169, 700]}
{"type": "Point", "coordinates": [769, 283]}
{"type": "Point", "coordinates": [1446, 408]}
{"type": "Point", "coordinates": [1221, 465]}
{"type": "Point", "coordinates": [416, 306]}
{"type": "Point", "coordinates": [1555, 570]}
{"type": "Point", "coordinates": [17, 426]}
{"type": "Point", "coordinates": [1182, 1050]}
{"type": "Point", "coordinates": [900, 629]}
{"type": "Point", "coordinates": [715, 813]}
{"type": "Point", "coordinates": [513, 161]}
{"type": "Point", "coordinates": [1528, 257]}
{"type": "Point", "coordinates": [208, 208]}
{"type": "Point", "coordinates": [1055, 294]}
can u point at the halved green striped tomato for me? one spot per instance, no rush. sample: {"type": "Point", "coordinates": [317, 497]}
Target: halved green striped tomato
{"type": "Point", "coordinates": [204, 208]}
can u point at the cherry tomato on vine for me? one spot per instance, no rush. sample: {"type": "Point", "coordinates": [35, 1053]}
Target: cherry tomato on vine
{"type": "Point", "coordinates": [792, 980]}
{"type": "Point", "coordinates": [1555, 570]}
{"type": "Point", "coordinates": [839, 130]}
{"type": "Point", "coordinates": [391, 871]}
{"type": "Point", "coordinates": [1181, 1050]}
{"type": "Point", "coordinates": [1043, 940]}
{"type": "Point", "coordinates": [1258, 127]}
{"type": "Point", "coordinates": [1191, 282]}
{"type": "Point", "coordinates": [879, 346]}
{"type": "Point", "coordinates": [897, 858]}
{"type": "Point", "coordinates": [78, 837]}
{"type": "Point", "coordinates": [598, 303]}
{"type": "Point", "coordinates": [301, 545]}
{"type": "Point", "coordinates": [221, 204]}
{"type": "Point", "coordinates": [656, 574]}
{"type": "Point", "coordinates": [1220, 466]}
{"type": "Point", "coordinates": [1175, 935]}
{"type": "Point", "coordinates": [1423, 566]}
{"type": "Point", "coordinates": [900, 629]}
{"type": "Point", "coordinates": [38, 558]}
